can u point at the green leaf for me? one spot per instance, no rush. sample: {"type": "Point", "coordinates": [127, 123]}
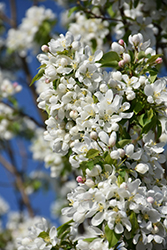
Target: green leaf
{"type": "Point", "coordinates": [61, 229]}
{"type": "Point", "coordinates": [110, 59]}
{"type": "Point", "coordinates": [149, 125]}
{"type": "Point", "coordinates": [38, 76]}
{"type": "Point", "coordinates": [159, 129]}
{"type": "Point", "coordinates": [138, 107]}
{"type": "Point", "coordinates": [123, 142]}
{"type": "Point", "coordinates": [94, 44]}
{"type": "Point", "coordinates": [111, 236]}
{"type": "Point", "coordinates": [110, 11]}
{"type": "Point", "coordinates": [108, 160]}
{"type": "Point", "coordinates": [150, 114]}
{"type": "Point", "coordinates": [36, 185]}
{"type": "Point", "coordinates": [112, 64]}
{"type": "Point", "coordinates": [153, 75]}
{"type": "Point", "coordinates": [146, 118]}
{"type": "Point", "coordinates": [89, 239]}
{"type": "Point", "coordinates": [140, 119]}
{"type": "Point", "coordinates": [92, 153]}
{"type": "Point", "coordinates": [75, 8]}
{"type": "Point", "coordinates": [43, 235]}
{"type": "Point", "coordinates": [120, 179]}
{"type": "Point", "coordinates": [136, 2]}
{"type": "Point", "coordinates": [134, 223]}
{"type": "Point", "coordinates": [141, 55]}
{"type": "Point", "coordinates": [95, 99]}
{"type": "Point", "coordinates": [56, 83]}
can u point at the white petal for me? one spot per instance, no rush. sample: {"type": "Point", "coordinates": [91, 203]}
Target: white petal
{"type": "Point", "coordinates": [53, 232]}
{"type": "Point", "coordinates": [97, 219]}
{"type": "Point", "coordinates": [119, 228]}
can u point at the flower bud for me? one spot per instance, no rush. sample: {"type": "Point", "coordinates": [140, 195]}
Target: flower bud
{"type": "Point", "coordinates": [25, 241]}
{"type": "Point", "coordinates": [73, 114]}
{"type": "Point", "coordinates": [47, 80]}
{"type": "Point", "coordinates": [114, 154]}
{"type": "Point", "coordinates": [121, 152]}
{"type": "Point", "coordinates": [136, 39]}
{"type": "Point", "coordinates": [115, 126]}
{"type": "Point", "coordinates": [90, 183]}
{"type": "Point", "coordinates": [103, 88]}
{"type": "Point", "coordinates": [95, 171]}
{"type": "Point", "coordinates": [155, 230]}
{"type": "Point", "coordinates": [76, 45]}
{"type": "Point", "coordinates": [150, 199]}
{"type": "Point", "coordinates": [121, 42]}
{"type": "Point", "coordinates": [121, 63]}
{"type": "Point", "coordinates": [158, 60]}
{"type": "Point", "coordinates": [93, 135]}
{"type": "Point", "coordinates": [80, 179]}
{"type": "Point", "coordinates": [64, 62]}
{"type": "Point", "coordinates": [45, 48]}
{"type": "Point", "coordinates": [117, 75]}
{"type": "Point", "coordinates": [112, 139]}
{"type": "Point", "coordinates": [126, 58]}
{"type": "Point", "coordinates": [142, 168]}
{"type": "Point", "coordinates": [117, 48]}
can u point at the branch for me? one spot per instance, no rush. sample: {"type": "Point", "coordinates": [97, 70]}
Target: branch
{"type": "Point", "coordinates": [29, 79]}
{"type": "Point", "coordinates": [19, 183]}
{"type": "Point", "coordinates": [22, 114]}
{"type": "Point", "coordinates": [13, 13]}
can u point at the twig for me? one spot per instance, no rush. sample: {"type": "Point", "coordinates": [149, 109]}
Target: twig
{"type": "Point", "coordinates": [13, 13]}
{"type": "Point", "coordinates": [19, 183]}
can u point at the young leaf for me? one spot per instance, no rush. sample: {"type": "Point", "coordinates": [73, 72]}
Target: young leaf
{"type": "Point", "coordinates": [123, 142]}
{"type": "Point", "coordinates": [138, 107]}
{"type": "Point", "coordinates": [111, 236]}
{"type": "Point", "coordinates": [134, 222]}
{"type": "Point", "coordinates": [110, 59]}
{"type": "Point", "coordinates": [63, 228]}
{"type": "Point", "coordinates": [159, 129]}
{"type": "Point", "coordinates": [43, 235]}
{"type": "Point", "coordinates": [89, 239]}
{"type": "Point", "coordinates": [92, 153]}
{"type": "Point", "coordinates": [38, 76]}
{"type": "Point", "coordinates": [141, 55]}
{"type": "Point", "coordinates": [75, 8]}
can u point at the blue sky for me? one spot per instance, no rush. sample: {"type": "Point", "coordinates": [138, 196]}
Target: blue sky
{"type": "Point", "coordinates": [42, 201]}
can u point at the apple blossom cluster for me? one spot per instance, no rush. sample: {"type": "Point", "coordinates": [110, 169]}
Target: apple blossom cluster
{"type": "Point", "coordinates": [22, 38]}
{"type": "Point", "coordinates": [111, 122]}
{"type": "Point", "coordinates": [7, 88]}
{"type": "Point", "coordinates": [34, 241]}
{"type": "Point", "coordinates": [42, 151]}
{"type": "Point", "coordinates": [90, 30]}
{"type": "Point", "coordinates": [7, 91]}
{"type": "Point", "coordinates": [18, 226]}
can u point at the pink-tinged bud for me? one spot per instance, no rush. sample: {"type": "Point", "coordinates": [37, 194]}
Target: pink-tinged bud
{"type": "Point", "coordinates": [45, 48]}
{"type": "Point", "coordinates": [15, 84]}
{"type": "Point", "coordinates": [121, 42]}
{"type": "Point", "coordinates": [47, 81]}
{"type": "Point", "coordinates": [158, 60]}
{"type": "Point", "coordinates": [73, 114]}
{"type": "Point", "coordinates": [93, 135]}
{"type": "Point", "coordinates": [121, 63]}
{"type": "Point", "coordinates": [150, 199]}
{"type": "Point", "coordinates": [80, 179]}
{"type": "Point", "coordinates": [155, 230]}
